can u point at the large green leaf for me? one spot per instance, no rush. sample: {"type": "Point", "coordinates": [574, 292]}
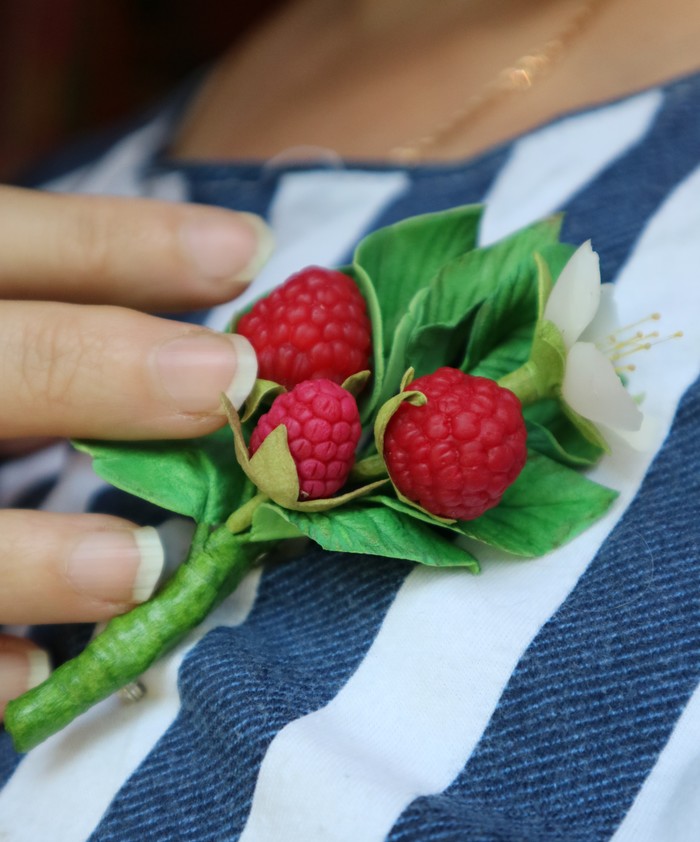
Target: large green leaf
{"type": "Point", "coordinates": [199, 478]}
{"type": "Point", "coordinates": [369, 397]}
{"type": "Point", "coordinates": [365, 529]}
{"type": "Point", "coordinates": [484, 285]}
{"type": "Point", "coordinates": [548, 505]}
{"type": "Point", "coordinates": [511, 307]}
{"type": "Point", "coordinates": [401, 259]}
{"type": "Point", "coordinates": [506, 356]}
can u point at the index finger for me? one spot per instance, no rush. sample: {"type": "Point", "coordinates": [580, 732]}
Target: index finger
{"type": "Point", "coordinates": [139, 253]}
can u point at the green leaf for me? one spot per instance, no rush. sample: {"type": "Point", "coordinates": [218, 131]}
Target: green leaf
{"type": "Point", "coordinates": [547, 506]}
{"type": "Point", "coordinates": [199, 478]}
{"type": "Point", "coordinates": [368, 400]}
{"type": "Point", "coordinates": [556, 256]}
{"type": "Point", "coordinates": [442, 317]}
{"type": "Point", "coordinates": [511, 307]}
{"type": "Point", "coordinates": [506, 356]}
{"type": "Point", "coordinates": [586, 427]}
{"type": "Point", "coordinates": [370, 530]}
{"type": "Point", "coordinates": [551, 433]}
{"type": "Point", "coordinates": [401, 259]}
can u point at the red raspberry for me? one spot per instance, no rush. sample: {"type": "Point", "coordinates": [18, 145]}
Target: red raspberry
{"type": "Point", "coordinates": [313, 326]}
{"type": "Point", "coordinates": [458, 453]}
{"type": "Point", "coordinates": [323, 429]}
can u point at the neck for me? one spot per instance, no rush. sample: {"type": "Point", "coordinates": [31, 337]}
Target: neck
{"type": "Point", "coordinates": [383, 72]}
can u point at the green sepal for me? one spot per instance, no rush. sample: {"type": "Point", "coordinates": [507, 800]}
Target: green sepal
{"type": "Point", "coordinates": [385, 415]}
{"type": "Point", "coordinates": [263, 391]}
{"type": "Point", "coordinates": [192, 477]}
{"type": "Point", "coordinates": [542, 375]}
{"type": "Point", "coordinates": [356, 383]}
{"type": "Point", "coordinates": [364, 529]}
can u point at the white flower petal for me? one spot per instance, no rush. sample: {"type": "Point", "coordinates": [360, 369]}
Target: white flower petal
{"type": "Point", "coordinates": [576, 294]}
{"type": "Point", "coordinates": [605, 322]}
{"type": "Point", "coordinates": [642, 440]}
{"type": "Point", "coordinates": [592, 389]}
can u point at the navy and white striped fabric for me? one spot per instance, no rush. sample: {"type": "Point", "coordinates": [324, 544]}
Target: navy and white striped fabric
{"type": "Point", "coordinates": [362, 699]}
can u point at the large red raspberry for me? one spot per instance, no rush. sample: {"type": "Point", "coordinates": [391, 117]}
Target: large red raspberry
{"type": "Point", "coordinates": [323, 429]}
{"type": "Point", "coordinates": [313, 326]}
{"type": "Point", "coordinates": [458, 453]}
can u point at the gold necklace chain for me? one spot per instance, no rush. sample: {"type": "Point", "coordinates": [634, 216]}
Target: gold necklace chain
{"type": "Point", "coordinates": [515, 78]}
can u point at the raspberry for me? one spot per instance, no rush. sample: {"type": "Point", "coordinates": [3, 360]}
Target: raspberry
{"type": "Point", "coordinates": [323, 429]}
{"type": "Point", "coordinates": [457, 454]}
{"type": "Point", "coordinates": [313, 326]}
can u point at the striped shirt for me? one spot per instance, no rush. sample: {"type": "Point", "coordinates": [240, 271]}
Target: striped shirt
{"type": "Point", "coordinates": [361, 699]}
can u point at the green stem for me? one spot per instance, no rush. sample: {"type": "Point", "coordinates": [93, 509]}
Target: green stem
{"type": "Point", "coordinates": [525, 384]}
{"type": "Point", "coordinates": [368, 469]}
{"type": "Point", "coordinates": [132, 642]}
{"type": "Point", "coordinates": [241, 519]}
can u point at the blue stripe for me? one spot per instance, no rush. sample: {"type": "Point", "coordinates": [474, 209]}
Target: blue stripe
{"type": "Point", "coordinates": [596, 696]}
{"type": "Point", "coordinates": [311, 626]}
{"type": "Point", "coordinates": [9, 759]}
{"type": "Point", "coordinates": [612, 209]}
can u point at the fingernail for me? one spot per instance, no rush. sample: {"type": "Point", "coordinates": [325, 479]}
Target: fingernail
{"type": "Point", "coordinates": [121, 566]}
{"type": "Point", "coordinates": [22, 670]}
{"type": "Point", "coordinates": [196, 368]}
{"type": "Point", "coordinates": [233, 248]}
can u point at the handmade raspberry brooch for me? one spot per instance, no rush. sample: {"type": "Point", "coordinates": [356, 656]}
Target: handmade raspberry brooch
{"type": "Point", "coordinates": [408, 468]}
{"type": "Point", "coordinates": [313, 326]}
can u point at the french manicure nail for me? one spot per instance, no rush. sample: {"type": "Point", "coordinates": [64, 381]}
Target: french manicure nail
{"type": "Point", "coordinates": [121, 566]}
{"type": "Point", "coordinates": [21, 671]}
{"type": "Point", "coordinates": [233, 248]}
{"type": "Point", "coordinates": [196, 368]}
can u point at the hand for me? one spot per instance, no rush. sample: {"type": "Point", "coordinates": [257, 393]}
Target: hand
{"type": "Point", "coordinates": [76, 360]}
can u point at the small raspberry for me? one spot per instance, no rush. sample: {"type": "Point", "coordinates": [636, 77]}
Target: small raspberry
{"type": "Point", "coordinates": [457, 454]}
{"type": "Point", "coordinates": [313, 326]}
{"type": "Point", "coordinates": [323, 429]}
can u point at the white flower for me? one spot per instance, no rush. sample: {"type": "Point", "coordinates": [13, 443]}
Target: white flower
{"type": "Point", "coordinates": [582, 310]}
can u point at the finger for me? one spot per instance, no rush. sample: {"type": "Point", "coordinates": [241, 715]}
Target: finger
{"type": "Point", "coordinates": [134, 252]}
{"type": "Point", "coordinates": [74, 568]}
{"type": "Point", "coordinates": [107, 372]}
{"type": "Point", "coordinates": [22, 666]}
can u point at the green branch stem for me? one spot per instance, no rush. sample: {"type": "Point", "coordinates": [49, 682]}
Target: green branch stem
{"type": "Point", "coordinates": [368, 469]}
{"type": "Point", "coordinates": [242, 518]}
{"type": "Point", "coordinates": [132, 642]}
{"type": "Point", "coordinates": [526, 384]}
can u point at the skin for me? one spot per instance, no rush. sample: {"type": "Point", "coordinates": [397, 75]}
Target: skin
{"type": "Point", "coordinates": [78, 271]}
{"type": "Point", "coordinates": [361, 97]}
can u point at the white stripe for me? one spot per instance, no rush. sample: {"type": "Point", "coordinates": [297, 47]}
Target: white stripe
{"type": "Point", "coordinates": [316, 218]}
{"type": "Point", "coordinates": [75, 775]}
{"type": "Point", "coordinates": [551, 165]}
{"type": "Point", "coordinates": [120, 171]}
{"type": "Point", "coordinates": [19, 476]}
{"type": "Point", "coordinates": [408, 719]}
{"type": "Point", "coordinates": [668, 807]}
{"type": "Point", "coordinates": [76, 486]}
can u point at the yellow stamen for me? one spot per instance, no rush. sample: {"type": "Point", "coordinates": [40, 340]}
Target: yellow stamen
{"type": "Point", "coordinates": [621, 344]}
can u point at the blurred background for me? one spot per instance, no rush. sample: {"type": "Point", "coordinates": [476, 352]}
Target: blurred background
{"type": "Point", "coordinates": [73, 67]}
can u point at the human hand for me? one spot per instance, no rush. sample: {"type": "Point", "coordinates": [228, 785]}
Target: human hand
{"type": "Point", "coordinates": [78, 359]}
